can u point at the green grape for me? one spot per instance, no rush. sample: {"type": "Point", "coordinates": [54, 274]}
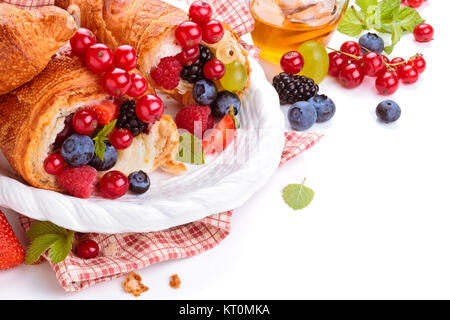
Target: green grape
{"type": "Point", "coordinates": [316, 61]}
{"type": "Point", "coordinates": [235, 77]}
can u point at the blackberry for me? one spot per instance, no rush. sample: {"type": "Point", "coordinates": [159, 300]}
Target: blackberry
{"type": "Point", "coordinates": [293, 88]}
{"type": "Point", "coordinates": [194, 72]}
{"type": "Point", "coordinates": [128, 119]}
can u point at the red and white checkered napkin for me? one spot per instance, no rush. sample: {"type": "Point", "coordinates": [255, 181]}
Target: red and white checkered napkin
{"type": "Point", "coordinates": [122, 253]}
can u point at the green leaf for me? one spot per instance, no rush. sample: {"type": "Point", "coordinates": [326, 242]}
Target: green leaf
{"type": "Point", "coordinates": [237, 124]}
{"type": "Point", "coordinates": [389, 10]}
{"type": "Point", "coordinates": [40, 228]}
{"type": "Point", "coordinates": [45, 235]}
{"type": "Point", "coordinates": [99, 148]}
{"type": "Point", "coordinates": [409, 18]}
{"type": "Point", "coordinates": [365, 4]}
{"type": "Point", "coordinates": [298, 196]}
{"type": "Point", "coordinates": [60, 249]}
{"type": "Point", "coordinates": [39, 246]}
{"type": "Point", "coordinates": [351, 24]}
{"type": "Point", "coordinates": [101, 137]}
{"type": "Point", "coordinates": [106, 130]}
{"type": "Point", "coordinates": [396, 36]}
{"type": "Point", "coordinates": [190, 150]}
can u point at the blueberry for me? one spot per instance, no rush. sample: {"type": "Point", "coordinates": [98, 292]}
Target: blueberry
{"type": "Point", "coordinates": [204, 92]}
{"type": "Point", "coordinates": [139, 182]}
{"type": "Point", "coordinates": [388, 111]}
{"type": "Point", "coordinates": [109, 159]}
{"type": "Point", "coordinates": [372, 42]}
{"type": "Point", "coordinates": [302, 115]}
{"type": "Point", "coordinates": [221, 106]}
{"type": "Point", "coordinates": [325, 107]}
{"type": "Point", "coordinates": [77, 150]}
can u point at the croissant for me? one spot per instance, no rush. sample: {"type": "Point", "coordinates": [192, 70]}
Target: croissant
{"type": "Point", "coordinates": [32, 116]}
{"type": "Point", "coordinates": [28, 39]}
{"type": "Point", "coordinates": [149, 26]}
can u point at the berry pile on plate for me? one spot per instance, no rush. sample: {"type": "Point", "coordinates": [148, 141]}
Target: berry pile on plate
{"type": "Point", "coordinates": [89, 142]}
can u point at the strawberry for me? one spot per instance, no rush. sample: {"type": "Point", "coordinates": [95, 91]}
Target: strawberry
{"type": "Point", "coordinates": [78, 181]}
{"type": "Point", "coordinates": [210, 123]}
{"type": "Point", "coordinates": [221, 136]}
{"type": "Point", "coordinates": [12, 253]}
{"type": "Point", "coordinates": [188, 116]}
{"type": "Point", "coordinates": [106, 112]}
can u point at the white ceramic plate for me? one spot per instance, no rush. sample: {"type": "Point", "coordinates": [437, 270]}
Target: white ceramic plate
{"type": "Point", "coordinates": [225, 182]}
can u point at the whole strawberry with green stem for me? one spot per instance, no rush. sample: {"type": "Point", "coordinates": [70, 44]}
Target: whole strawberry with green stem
{"type": "Point", "coordinates": [12, 252]}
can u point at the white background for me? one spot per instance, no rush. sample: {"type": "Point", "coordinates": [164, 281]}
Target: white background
{"type": "Point", "coordinates": [379, 226]}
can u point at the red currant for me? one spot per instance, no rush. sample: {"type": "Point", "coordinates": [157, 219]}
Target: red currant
{"type": "Point", "coordinates": [351, 76]}
{"type": "Point", "coordinates": [82, 40]}
{"type": "Point", "coordinates": [99, 58]}
{"type": "Point", "coordinates": [138, 87]}
{"type": "Point", "coordinates": [87, 249]}
{"type": "Point", "coordinates": [408, 74]}
{"type": "Point", "coordinates": [121, 138]}
{"type": "Point", "coordinates": [337, 62]}
{"type": "Point", "coordinates": [214, 69]}
{"type": "Point", "coordinates": [398, 63]}
{"type": "Point", "coordinates": [351, 47]}
{"type": "Point", "coordinates": [85, 121]}
{"type": "Point", "coordinates": [125, 57]}
{"type": "Point", "coordinates": [54, 163]}
{"type": "Point", "coordinates": [372, 63]}
{"type": "Point", "coordinates": [149, 108]}
{"type": "Point", "coordinates": [114, 184]}
{"type": "Point", "coordinates": [418, 62]}
{"type": "Point", "coordinates": [292, 62]}
{"type": "Point", "coordinates": [188, 34]}
{"type": "Point", "coordinates": [116, 82]}
{"type": "Point", "coordinates": [423, 32]}
{"type": "Point", "coordinates": [212, 31]}
{"type": "Point", "coordinates": [200, 12]}
{"type": "Point", "coordinates": [387, 83]}
{"type": "Point", "coordinates": [414, 3]}
{"type": "Point", "coordinates": [188, 56]}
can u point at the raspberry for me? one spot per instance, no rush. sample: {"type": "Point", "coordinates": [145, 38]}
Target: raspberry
{"type": "Point", "coordinates": [189, 115]}
{"type": "Point", "coordinates": [78, 181]}
{"type": "Point", "coordinates": [167, 73]}
{"type": "Point", "coordinates": [211, 122]}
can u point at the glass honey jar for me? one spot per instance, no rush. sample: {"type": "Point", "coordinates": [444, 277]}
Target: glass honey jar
{"type": "Point", "coordinates": [283, 25]}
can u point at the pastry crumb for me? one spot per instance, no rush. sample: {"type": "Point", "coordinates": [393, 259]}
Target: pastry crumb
{"type": "Point", "coordinates": [133, 284]}
{"type": "Point", "coordinates": [175, 281]}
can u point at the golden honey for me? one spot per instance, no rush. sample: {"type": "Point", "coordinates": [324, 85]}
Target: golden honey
{"type": "Point", "coordinates": [277, 33]}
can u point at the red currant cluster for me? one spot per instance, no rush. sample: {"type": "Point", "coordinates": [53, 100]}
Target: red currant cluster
{"type": "Point", "coordinates": [351, 68]}
{"type": "Point", "coordinates": [189, 35]}
{"type": "Point", "coordinates": [114, 66]}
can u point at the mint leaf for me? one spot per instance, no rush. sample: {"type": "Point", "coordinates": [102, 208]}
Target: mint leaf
{"type": "Point", "coordinates": [351, 24]}
{"type": "Point", "coordinates": [389, 10]}
{"type": "Point", "coordinates": [190, 150]}
{"type": "Point", "coordinates": [397, 33]}
{"type": "Point", "coordinates": [386, 16]}
{"type": "Point", "coordinates": [101, 137]}
{"type": "Point", "coordinates": [298, 196]}
{"type": "Point", "coordinates": [409, 18]}
{"type": "Point", "coordinates": [365, 4]}
{"type": "Point", "coordinates": [40, 228]}
{"type": "Point", "coordinates": [45, 236]}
